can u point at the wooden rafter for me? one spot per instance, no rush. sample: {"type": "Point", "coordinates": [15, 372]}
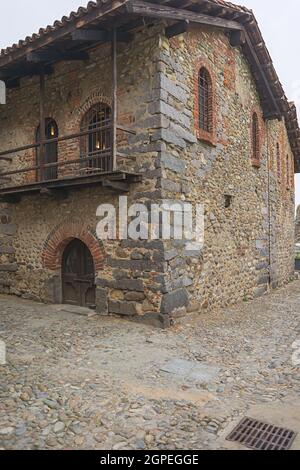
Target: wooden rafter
{"type": "Point", "coordinates": [98, 35]}
{"type": "Point", "coordinates": [46, 56]}
{"type": "Point", "coordinates": [153, 10]}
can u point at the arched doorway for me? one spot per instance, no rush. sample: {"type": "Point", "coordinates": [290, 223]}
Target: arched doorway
{"type": "Point", "coordinates": [78, 275]}
{"type": "Point", "coordinates": [51, 152]}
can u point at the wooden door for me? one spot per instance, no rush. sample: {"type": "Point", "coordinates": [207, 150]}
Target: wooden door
{"type": "Point", "coordinates": [78, 275]}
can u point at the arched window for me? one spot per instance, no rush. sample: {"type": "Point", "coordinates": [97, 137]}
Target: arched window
{"type": "Point", "coordinates": [205, 101]}
{"type": "Point", "coordinates": [292, 180]}
{"type": "Point", "coordinates": [50, 152]}
{"type": "Point", "coordinates": [96, 147]}
{"type": "Point", "coordinates": [278, 156]}
{"type": "Point", "coordinates": [255, 140]}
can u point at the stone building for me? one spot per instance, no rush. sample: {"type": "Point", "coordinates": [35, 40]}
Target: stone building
{"type": "Point", "coordinates": [297, 226]}
{"type": "Point", "coordinates": [155, 102]}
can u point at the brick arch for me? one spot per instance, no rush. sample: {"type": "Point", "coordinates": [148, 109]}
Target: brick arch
{"type": "Point", "coordinates": [61, 236]}
{"type": "Point", "coordinates": [208, 137]}
{"type": "Point", "coordinates": [255, 111]}
{"type": "Point", "coordinates": [94, 98]}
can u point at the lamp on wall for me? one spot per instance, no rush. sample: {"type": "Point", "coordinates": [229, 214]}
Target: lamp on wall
{"type": "Point", "coordinates": [52, 131]}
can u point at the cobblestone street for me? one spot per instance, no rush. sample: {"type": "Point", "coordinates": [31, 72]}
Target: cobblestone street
{"type": "Point", "coordinates": [76, 382]}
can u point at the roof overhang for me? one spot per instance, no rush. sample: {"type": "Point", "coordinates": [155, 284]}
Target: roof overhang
{"type": "Point", "coordinates": [73, 36]}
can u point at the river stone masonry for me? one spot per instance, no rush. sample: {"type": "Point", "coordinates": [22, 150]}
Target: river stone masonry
{"type": "Point", "coordinates": [249, 212]}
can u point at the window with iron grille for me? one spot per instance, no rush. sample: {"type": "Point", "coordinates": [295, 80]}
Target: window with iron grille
{"type": "Point", "coordinates": [255, 139]}
{"type": "Point", "coordinates": [288, 172]}
{"type": "Point", "coordinates": [96, 147]}
{"type": "Point", "coordinates": [205, 101]}
{"type": "Point", "coordinates": [278, 161]}
{"type": "Point", "coordinates": [292, 173]}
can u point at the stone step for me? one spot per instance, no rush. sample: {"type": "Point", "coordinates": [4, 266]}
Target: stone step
{"type": "Point", "coordinates": [75, 310]}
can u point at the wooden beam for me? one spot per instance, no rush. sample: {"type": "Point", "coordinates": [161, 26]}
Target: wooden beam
{"type": "Point", "coordinates": [94, 14]}
{"type": "Point", "coordinates": [116, 185]}
{"type": "Point", "coordinates": [97, 35]}
{"type": "Point", "coordinates": [248, 46]}
{"type": "Point", "coordinates": [55, 56]}
{"type": "Point", "coordinates": [60, 193]}
{"type": "Point", "coordinates": [75, 182]}
{"type": "Point", "coordinates": [11, 84]}
{"type": "Point", "coordinates": [152, 10]}
{"type": "Point", "coordinates": [12, 78]}
{"type": "Point", "coordinates": [4, 179]}
{"type": "Point", "coordinates": [91, 35]}
{"type": "Point", "coordinates": [177, 28]}
{"type": "Point", "coordinates": [237, 38]}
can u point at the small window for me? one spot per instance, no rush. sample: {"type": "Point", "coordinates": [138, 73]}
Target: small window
{"type": "Point", "coordinates": [255, 141]}
{"type": "Point", "coordinates": [205, 101]}
{"type": "Point", "coordinates": [288, 176]}
{"type": "Point", "coordinates": [292, 173]}
{"type": "Point", "coordinates": [278, 156]}
{"type": "Point", "coordinates": [227, 201]}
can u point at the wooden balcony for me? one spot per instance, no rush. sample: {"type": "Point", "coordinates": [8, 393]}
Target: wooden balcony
{"type": "Point", "coordinates": [93, 166]}
{"type": "Point", "coordinates": [88, 158]}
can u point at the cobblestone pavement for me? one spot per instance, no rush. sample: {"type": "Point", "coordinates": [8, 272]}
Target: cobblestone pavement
{"type": "Point", "coordinates": [102, 383]}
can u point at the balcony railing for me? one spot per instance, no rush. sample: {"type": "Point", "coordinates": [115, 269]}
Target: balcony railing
{"type": "Point", "coordinates": [76, 156]}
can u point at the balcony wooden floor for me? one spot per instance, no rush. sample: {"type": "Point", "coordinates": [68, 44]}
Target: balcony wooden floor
{"type": "Point", "coordinates": [118, 181]}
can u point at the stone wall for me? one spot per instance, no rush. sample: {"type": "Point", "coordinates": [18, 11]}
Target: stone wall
{"type": "Point", "coordinates": [158, 280]}
{"type": "Point", "coordinates": [257, 229]}
{"type": "Point", "coordinates": [129, 282]}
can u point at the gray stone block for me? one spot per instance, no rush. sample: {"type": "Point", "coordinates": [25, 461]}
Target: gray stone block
{"type": "Point", "coordinates": [6, 250]}
{"type": "Point", "coordinates": [171, 186]}
{"type": "Point", "coordinates": [260, 291]}
{"type": "Point", "coordinates": [143, 265]}
{"type": "Point", "coordinates": [9, 268]}
{"type": "Point", "coordinates": [171, 87]}
{"type": "Point", "coordinates": [183, 133]}
{"type": "Point", "coordinates": [263, 280]}
{"type": "Point", "coordinates": [135, 296]}
{"type": "Point", "coordinates": [172, 163]}
{"type": "Point", "coordinates": [101, 301]}
{"type": "Point", "coordinates": [122, 308]}
{"type": "Point", "coordinates": [170, 137]}
{"type": "Point", "coordinates": [122, 284]}
{"type": "Point", "coordinates": [8, 229]}
{"type": "Point", "coordinates": [173, 300]}
{"type": "Point", "coordinates": [169, 255]}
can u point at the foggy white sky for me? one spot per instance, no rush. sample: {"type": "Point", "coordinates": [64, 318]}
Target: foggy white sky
{"type": "Point", "coordinates": [279, 22]}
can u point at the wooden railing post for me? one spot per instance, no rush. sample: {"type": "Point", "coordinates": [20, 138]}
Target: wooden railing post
{"type": "Point", "coordinates": [114, 98]}
{"type": "Point", "coordinates": [42, 126]}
